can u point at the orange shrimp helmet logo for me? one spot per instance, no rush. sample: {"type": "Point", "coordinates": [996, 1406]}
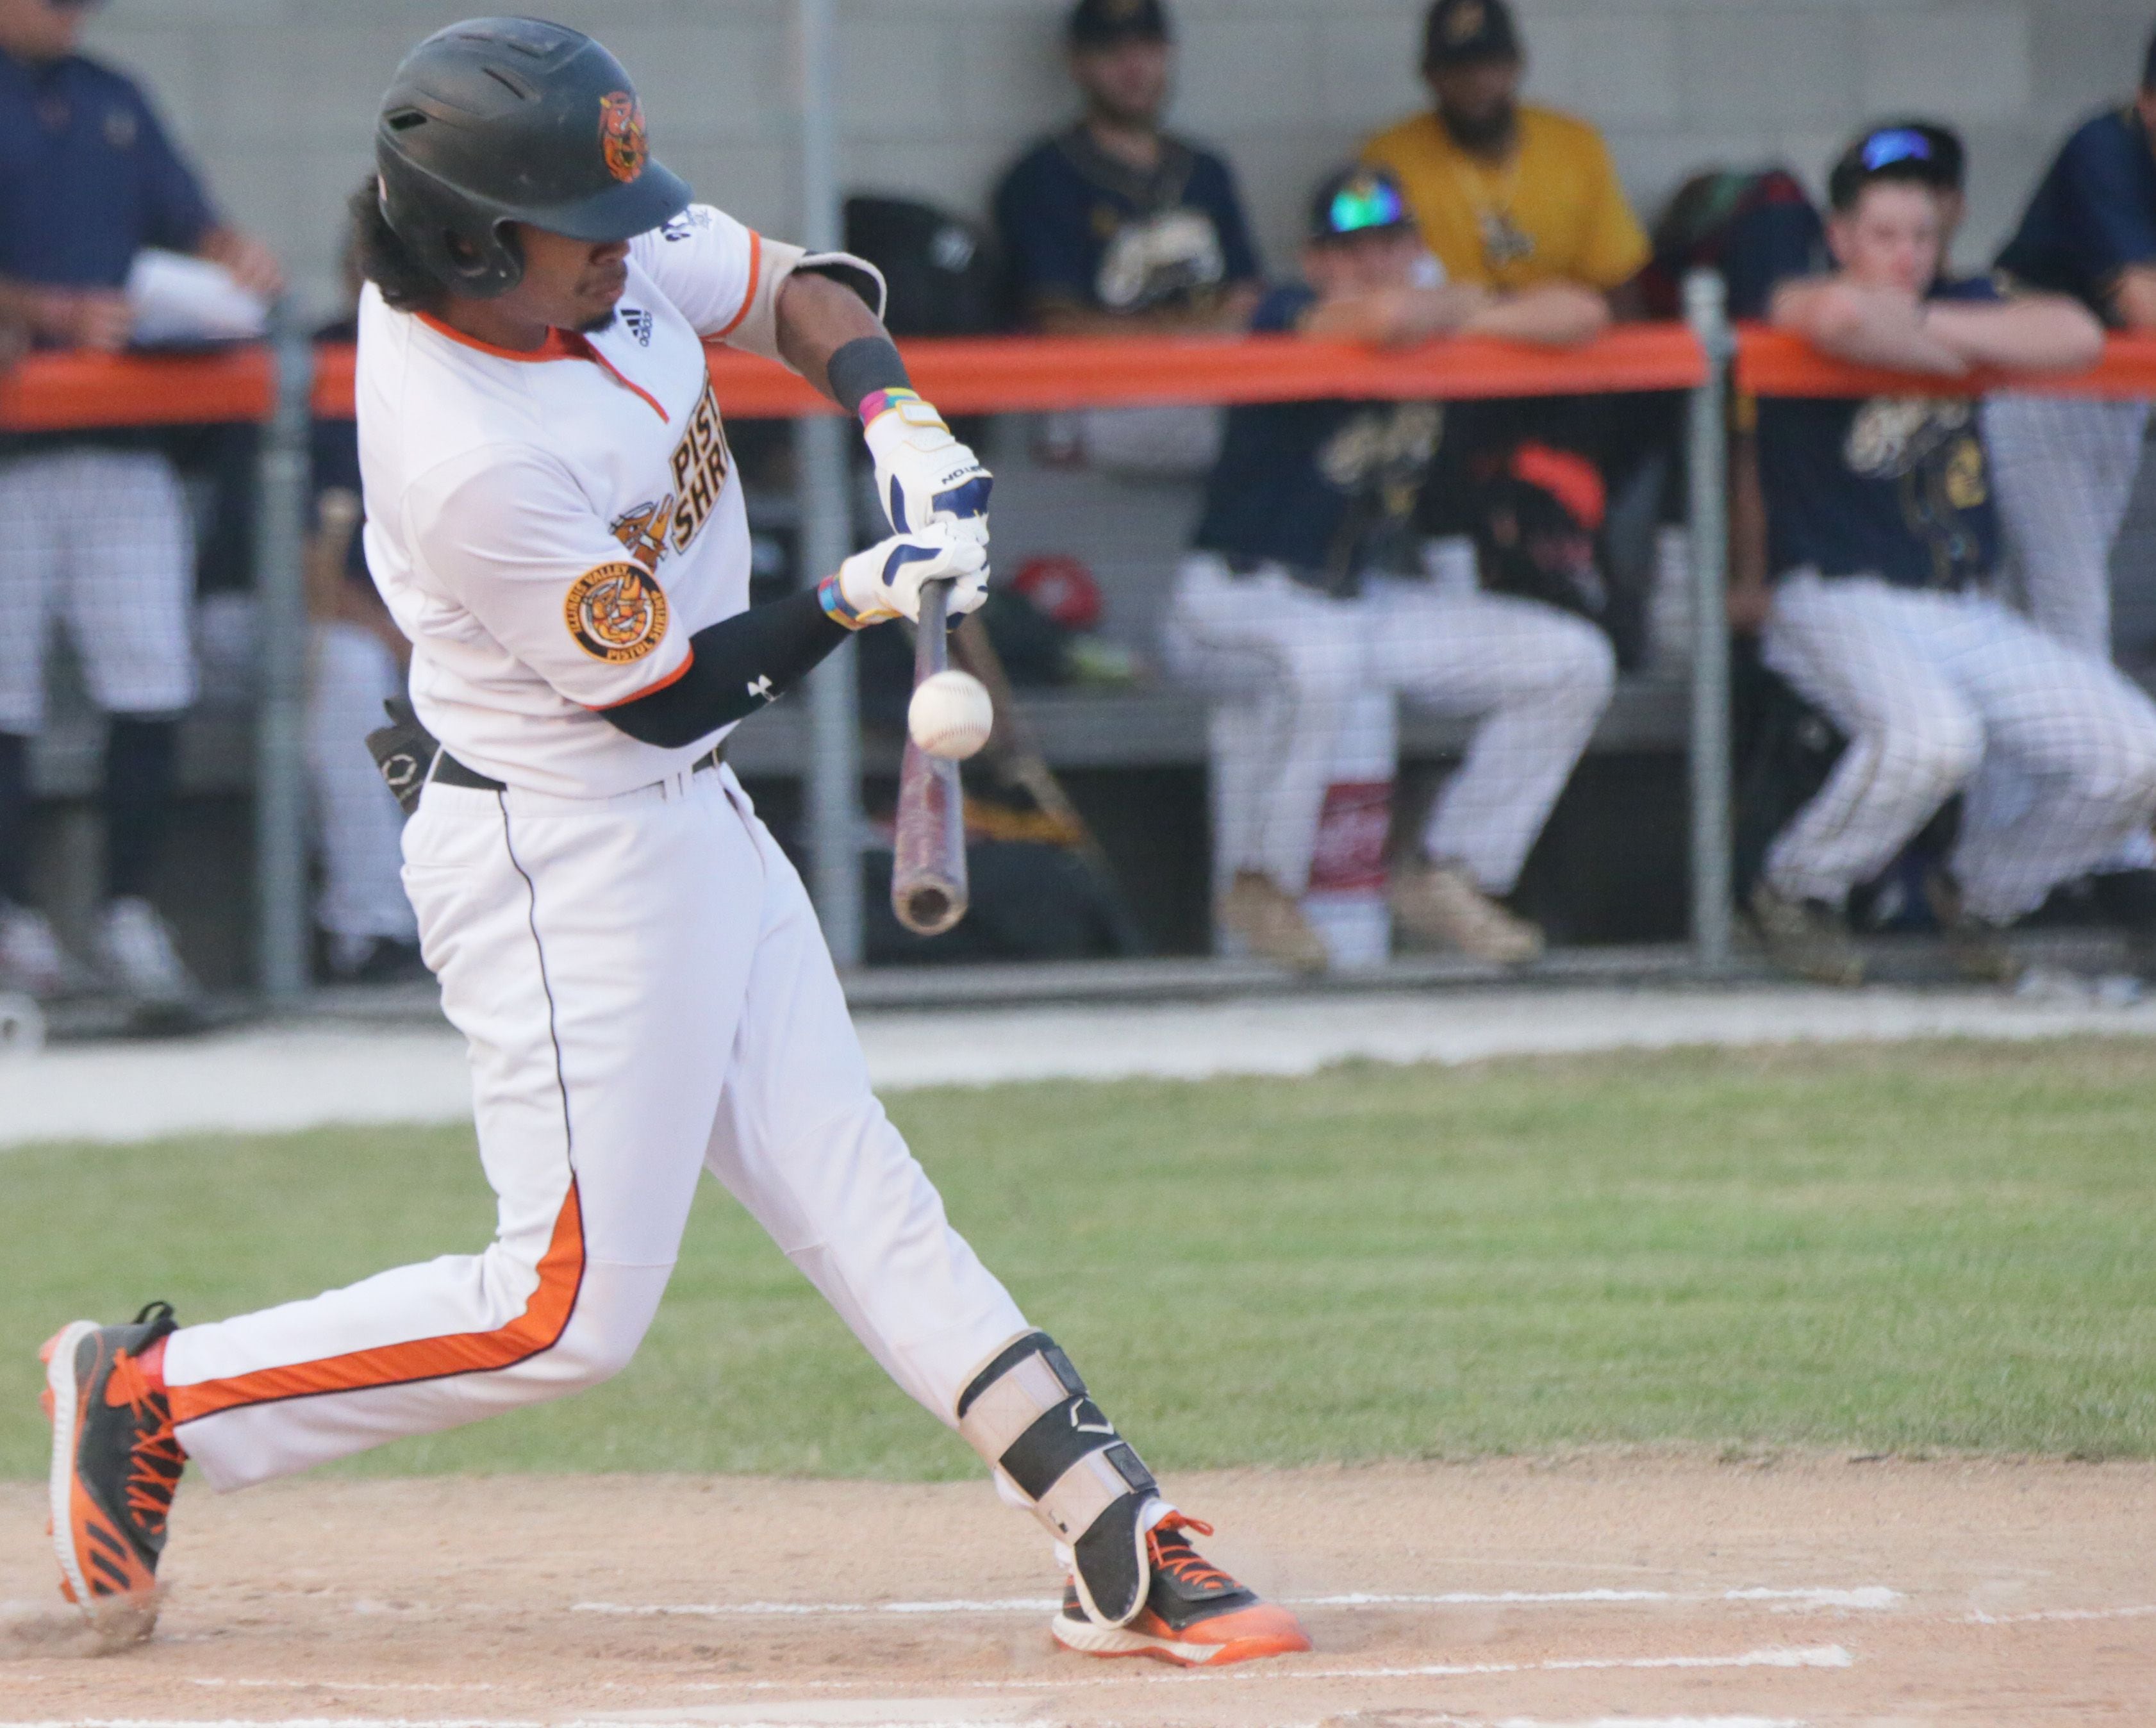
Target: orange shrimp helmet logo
{"type": "Point", "coordinates": [621, 135]}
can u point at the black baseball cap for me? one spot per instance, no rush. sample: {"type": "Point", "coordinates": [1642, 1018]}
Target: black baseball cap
{"type": "Point", "coordinates": [1912, 153]}
{"type": "Point", "coordinates": [1357, 200]}
{"type": "Point", "coordinates": [1459, 33]}
{"type": "Point", "coordinates": [1102, 23]}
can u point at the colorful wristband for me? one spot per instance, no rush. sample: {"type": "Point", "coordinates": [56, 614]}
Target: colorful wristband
{"type": "Point", "coordinates": [881, 402]}
{"type": "Point", "coordinates": [833, 599]}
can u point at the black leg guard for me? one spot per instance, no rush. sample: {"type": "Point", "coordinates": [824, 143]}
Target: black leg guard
{"type": "Point", "coordinates": [1028, 1414]}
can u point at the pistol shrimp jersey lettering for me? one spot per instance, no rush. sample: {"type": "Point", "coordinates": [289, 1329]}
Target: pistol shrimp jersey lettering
{"type": "Point", "coordinates": [550, 528]}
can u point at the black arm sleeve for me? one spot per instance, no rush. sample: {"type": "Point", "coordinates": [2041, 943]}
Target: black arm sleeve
{"type": "Point", "coordinates": [737, 666]}
{"type": "Point", "coordinates": [864, 366]}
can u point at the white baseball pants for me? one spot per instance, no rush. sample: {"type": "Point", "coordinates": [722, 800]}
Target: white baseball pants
{"type": "Point", "coordinates": [100, 539]}
{"type": "Point", "coordinates": [358, 817]}
{"type": "Point", "coordinates": [646, 995]}
{"type": "Point", "coordinates": [2064, 468]}
{"type": "Point", "coordinates": [1286, 659]}
{"type": "Point", "coordinates": [1930, 687]}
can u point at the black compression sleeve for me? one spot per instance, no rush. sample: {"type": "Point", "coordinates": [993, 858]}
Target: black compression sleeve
{"type": "Point", "coordinates": [859, 368]}
{"type": "Point", "coordinates": [740, 664]}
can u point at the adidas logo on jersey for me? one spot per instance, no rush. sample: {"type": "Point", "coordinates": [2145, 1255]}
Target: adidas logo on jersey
{"type": "Point", "coordinates": [640, 324]}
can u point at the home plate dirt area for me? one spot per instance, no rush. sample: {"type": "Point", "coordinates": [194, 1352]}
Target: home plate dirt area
{"type": "Point", "coordinates": [1669, 1588]}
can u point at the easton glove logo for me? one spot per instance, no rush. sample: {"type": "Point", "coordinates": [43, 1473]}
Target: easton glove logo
{"type": "Point", "coordinates": [616, 613]}
{"type": "Point", "coordinates": [621, 135]}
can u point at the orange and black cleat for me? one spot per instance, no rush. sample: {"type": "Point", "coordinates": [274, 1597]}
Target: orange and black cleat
{"type": "Point", "coordinates": [1195, 1613]}
{"type": "Point", "coordinates": [115, 1463]}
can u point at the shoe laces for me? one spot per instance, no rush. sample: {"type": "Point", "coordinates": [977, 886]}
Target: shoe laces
{"type": "Point", "coordinates": [156, 1458]}
{"type": "Point", "coordinates": [1172, 1554]}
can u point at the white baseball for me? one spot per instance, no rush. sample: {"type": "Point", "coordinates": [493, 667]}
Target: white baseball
{"type": "Point", "coordinates": [950, 715]}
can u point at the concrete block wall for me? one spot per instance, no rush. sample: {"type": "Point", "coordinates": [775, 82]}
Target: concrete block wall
{"type": "Point", "coordinates": [275, 97]}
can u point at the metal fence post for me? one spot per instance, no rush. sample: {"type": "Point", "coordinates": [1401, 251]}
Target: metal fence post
{"type": "Point", "coordinates": [834, 773]}
{"type": "Point", "coordinates": [1707, 477]}
{"type": "Point", "coordinates": [280, 588]}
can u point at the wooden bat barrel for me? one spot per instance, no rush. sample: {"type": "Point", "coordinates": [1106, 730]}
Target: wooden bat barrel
{"type": "Point", "coordinates": [928, 890]}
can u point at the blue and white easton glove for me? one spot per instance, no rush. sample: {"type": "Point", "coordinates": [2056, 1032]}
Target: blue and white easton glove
{"type": "Point", "coordinates": [885, 582]}
{"type": "Point", "coordinates": [923, 475]}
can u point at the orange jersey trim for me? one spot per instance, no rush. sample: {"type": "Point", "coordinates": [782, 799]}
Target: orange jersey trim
{"type": "Point", "coordinates": [748, 299]}
{"type": "Point", "coordinates": [560, 345]}
{"type": "Point", "coordinates": [675, 677]}
{"type": "Point", "coordinates": [597, 358]}
{"type": "Point", "coordinates": [539, 1328]}
{"type": "Point", "coordinates": [556, 346]}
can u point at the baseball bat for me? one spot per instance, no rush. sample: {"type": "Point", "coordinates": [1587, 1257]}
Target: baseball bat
{"type": "Point", "coordinates": [928, 869]}
{"type": "Point", "coordinates": [326, 551]}
{"type": "Point", "coordinates": [1021, 762]}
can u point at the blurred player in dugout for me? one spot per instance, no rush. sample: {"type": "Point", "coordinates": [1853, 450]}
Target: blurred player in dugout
{"type": "Point", "coordinates": [1304, 589]}
{"type": "Point", "coordinates": [1883, 540]}
{"type": "Point", "coordinates": [1114, 226]}
{"type": "Point", "coordinates": [368, 932]}
{"type": "Point", "coordinates": [94, 529]}
{"type": "Point", "coordinates": [2066, 465]}
{"type": "Point", "coordinates": [1509, 196]}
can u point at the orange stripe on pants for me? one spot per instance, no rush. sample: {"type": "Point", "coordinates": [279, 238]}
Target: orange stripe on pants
{"type": "Point", "coordinates": [546, 1316]}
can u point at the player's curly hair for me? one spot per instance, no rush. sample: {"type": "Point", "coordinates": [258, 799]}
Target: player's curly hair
{"type": "Point", "coordinates": [384, 261]}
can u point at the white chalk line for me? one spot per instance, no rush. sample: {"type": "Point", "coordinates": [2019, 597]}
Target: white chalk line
{"type": "Point", "coordinates": [1868, 1597]}
{"type": "Point", "coordinates": [910, 1722]}
{"type": "Point", "coordinates": [1980, 1618]}
{"type": "Point", "coordinates": [1817, 1656]}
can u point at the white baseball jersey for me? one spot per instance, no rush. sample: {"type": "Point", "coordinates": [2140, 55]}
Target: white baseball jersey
{"type": "Point", "coordinates": [550, 529]}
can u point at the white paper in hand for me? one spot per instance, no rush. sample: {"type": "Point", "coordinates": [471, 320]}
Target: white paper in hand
{"type": "Point", "coordinates": [177, 299]}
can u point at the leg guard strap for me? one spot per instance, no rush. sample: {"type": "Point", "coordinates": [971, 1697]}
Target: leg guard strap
{"type": "Point", "coordinates": [1028, 1414]}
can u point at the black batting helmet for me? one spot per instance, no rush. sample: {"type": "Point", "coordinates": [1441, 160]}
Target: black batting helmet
{"type": "Point", "coordinates": [502, 120]}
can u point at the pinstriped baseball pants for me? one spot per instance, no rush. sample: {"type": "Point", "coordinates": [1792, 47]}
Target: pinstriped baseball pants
{"type": "Point", "coordinates": [2064, 469]}
{"type": "Point", "coordinates": [1936, 692]}
{"type": "Point", "coordinates": [1287, 660]}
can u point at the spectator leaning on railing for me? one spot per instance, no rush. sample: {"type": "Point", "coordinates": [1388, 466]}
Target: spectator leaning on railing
{"type": "Point", "coordinates": [1303, 592]}
{"type": "Point", "coordinates": [93, 525]}
{"type": "Point", "coordinates": [1114, 226]}
{"type": "Point", "coordinates": [1882, 536]}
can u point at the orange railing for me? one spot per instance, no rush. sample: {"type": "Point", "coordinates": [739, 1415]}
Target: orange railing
{"type": "Point", "coordinates": [974, 375]}
{"type": "Point", "coordinates": [1773, 362]}
{"type": "Point", "coordinates": [63, 392]}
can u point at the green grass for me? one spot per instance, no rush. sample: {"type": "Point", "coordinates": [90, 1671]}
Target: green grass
{"type": "Point", "coordinates": [1948, 1246]}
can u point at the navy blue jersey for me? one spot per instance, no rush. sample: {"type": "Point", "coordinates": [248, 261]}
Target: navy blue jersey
{"type": "Point", "coordinates": [1079, 225]}
{"type": "Point", "coordinates": [1897, 487]}
{"type": "Point", "coordinates": [87, 177]}
{"type": "Point", "coordinates": [1326, 488]}
{"type": "Point", "coordinates": [2093, 214]}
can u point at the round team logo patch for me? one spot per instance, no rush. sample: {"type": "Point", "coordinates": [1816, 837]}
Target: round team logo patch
{"type": "Point", "coordinates": [616, 613]}
{"type": "Point", "coordinates": [621, 135]}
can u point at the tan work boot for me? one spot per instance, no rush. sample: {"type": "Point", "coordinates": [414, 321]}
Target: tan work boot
{"type": "Point", "coordinates": [1270, 923]}
{"type": "Point", "coordinates": [1440, 903]}
{"type": "Point", "coordinates": [1979, 950]}
{"type": "Point", "coordinates": [1807, 937]}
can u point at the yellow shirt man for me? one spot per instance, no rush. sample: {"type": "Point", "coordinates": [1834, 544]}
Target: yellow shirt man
{"type": "Point", "coordinates": [1551, 210]}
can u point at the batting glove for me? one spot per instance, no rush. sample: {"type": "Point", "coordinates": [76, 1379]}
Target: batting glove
{"type": "Point", "coordinates": [885, 582]}
{"type": "Point", "coordinates": [923, 474]}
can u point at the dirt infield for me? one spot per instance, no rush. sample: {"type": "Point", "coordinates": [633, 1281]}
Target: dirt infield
{"type": "Point", "coordinates": [1658, 1588]}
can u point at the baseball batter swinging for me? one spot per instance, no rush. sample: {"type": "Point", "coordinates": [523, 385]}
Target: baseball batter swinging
{"type": "Point", "coordinates": [554, 520]}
